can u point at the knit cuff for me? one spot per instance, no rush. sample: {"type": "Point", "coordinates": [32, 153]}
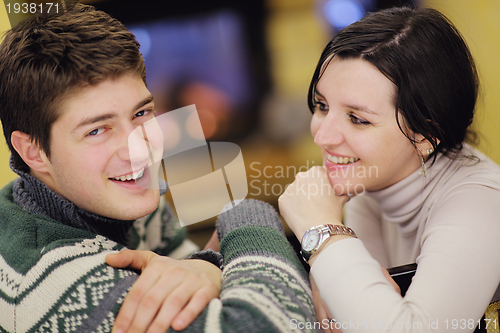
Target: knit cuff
{"type": "Point", "coordinates": [248, 212]}
{"type": "Point", "coordinates": [209, 255]}
{"type": "Point", "coordinates": [246, 242]}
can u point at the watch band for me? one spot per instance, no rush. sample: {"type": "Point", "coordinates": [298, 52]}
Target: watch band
{"type": "Point", "coordinates": [336, 229]}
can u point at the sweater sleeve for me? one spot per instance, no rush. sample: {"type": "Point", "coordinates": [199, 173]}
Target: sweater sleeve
{"type": "Point", "coordinates": [264, 286]}
{"type": "Point", "coordinates": [457, 273]}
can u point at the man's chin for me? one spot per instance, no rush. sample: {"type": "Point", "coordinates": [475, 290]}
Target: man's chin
{"type": "Point", "coordinates": [130, 208]}
{"type": "Point", "coordinates": [148, 207]}
{"type": "Point", "coordinates": [131, 213]}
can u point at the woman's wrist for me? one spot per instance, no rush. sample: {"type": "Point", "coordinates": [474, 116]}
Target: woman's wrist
{"type": "Point", "coordinates": [327, 243]}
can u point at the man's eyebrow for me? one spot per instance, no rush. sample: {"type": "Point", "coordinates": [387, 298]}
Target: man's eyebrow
{"type": "Point", "coordinates": [93, 120]}
{"type": "Point", "coordinates": [145, 101]}
{"type": "Point", "coordinates": [111, 115]}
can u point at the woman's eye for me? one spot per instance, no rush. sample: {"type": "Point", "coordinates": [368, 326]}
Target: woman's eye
{"type": "Point", "coordinates": [358, 121]}
{"type": "Point", "coordinates": [97, 131]}
{"type": "Point", "coordinates": [322, 106]}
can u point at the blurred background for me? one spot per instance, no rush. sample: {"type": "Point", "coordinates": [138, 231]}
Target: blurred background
{"type": "Point", "coordinates": [247, 65]}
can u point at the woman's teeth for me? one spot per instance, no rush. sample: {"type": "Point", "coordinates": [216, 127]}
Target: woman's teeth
{"type": "Point", "coordinates": [342, 160]}
{"type": "Point", "coordinates": [131, 176]}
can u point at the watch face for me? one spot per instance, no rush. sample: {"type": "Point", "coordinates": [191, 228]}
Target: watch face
{"type": "Point", "coordinates": [310, 240]}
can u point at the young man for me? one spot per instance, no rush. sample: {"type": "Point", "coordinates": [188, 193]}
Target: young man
{"type": "Point", "coordinates": [72, 89]}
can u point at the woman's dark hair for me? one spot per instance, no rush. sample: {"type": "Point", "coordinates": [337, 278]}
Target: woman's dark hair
{"type": "Point", "coordinates": [427, 59]}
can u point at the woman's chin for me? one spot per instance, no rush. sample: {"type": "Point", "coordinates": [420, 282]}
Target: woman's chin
{"type": "Point", "coordinates": [346, 187]}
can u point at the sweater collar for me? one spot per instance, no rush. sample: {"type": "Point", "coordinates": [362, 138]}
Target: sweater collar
{"type": "Point", "coordinates": [34, 196]}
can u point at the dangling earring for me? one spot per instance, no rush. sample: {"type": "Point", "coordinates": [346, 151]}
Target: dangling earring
{"type": "Point", "coordinates": [422, 159]}
{"type": "Point", "coordinates": [423, 170]}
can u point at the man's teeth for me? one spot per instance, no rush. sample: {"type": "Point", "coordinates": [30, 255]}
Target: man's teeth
{"type": "Point", "coordinates": [342, 160]}
{"type": "Point", "coordinates": [131, 176]}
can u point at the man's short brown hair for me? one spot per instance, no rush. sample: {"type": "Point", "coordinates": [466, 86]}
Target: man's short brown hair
{"type": "Point", "coordinates": [48, 56]}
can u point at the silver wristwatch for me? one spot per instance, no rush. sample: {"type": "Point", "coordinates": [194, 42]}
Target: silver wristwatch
{"type": "Point", "coordinates": [315, 237]}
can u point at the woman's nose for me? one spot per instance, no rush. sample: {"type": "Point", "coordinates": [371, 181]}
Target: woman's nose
{"type": "Point", "coordinates": [329, 132]}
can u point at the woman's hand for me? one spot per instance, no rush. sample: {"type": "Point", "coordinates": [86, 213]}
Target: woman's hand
{"type": "Point", "coordinates": [169, 292]}
{"type": "Point", "coordinates": [310, 201]}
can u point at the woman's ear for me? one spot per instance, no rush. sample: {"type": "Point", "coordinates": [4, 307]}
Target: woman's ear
{"type": "Point", "coordinates": [31, 154]}
{"type": "Point", "coordinates": [424, 145]}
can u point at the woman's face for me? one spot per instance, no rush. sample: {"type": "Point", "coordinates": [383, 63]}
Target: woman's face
{"type": "Point", "coordinates": [355, 126]}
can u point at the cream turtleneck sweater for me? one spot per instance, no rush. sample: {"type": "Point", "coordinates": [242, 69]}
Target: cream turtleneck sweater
{"type": "Point", "coordinates": [447, 222]}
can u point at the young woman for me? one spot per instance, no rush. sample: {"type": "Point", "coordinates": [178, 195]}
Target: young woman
{"type": "Point", "coordinates": [393, 98]}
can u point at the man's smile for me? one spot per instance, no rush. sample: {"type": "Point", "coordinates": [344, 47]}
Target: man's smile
{"type": "Point", "coordinates": [130, 176]}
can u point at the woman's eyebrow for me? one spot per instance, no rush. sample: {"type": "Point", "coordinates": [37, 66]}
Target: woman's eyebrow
{"type": "Point", "coordinates": [317, 93]}
{"type": "Point", "coordinates": [350, 106]}
{"type": "Point", "coordinates": [360, 108]}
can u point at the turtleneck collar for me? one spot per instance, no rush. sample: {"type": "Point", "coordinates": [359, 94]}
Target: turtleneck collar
{"type": "Point", "coordinates": [34, 196]}
{"type": "Point", "coordinates": [401, 201]}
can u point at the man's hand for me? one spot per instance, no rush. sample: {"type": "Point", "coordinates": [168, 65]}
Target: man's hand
{"type": "Point", "coordinates": [169, 292]}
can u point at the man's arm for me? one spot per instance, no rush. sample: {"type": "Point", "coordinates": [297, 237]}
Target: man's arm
{"type": "Point", "coordinates": [264, 285]}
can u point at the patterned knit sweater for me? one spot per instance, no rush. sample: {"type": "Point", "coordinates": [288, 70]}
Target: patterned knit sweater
{"type": "Point", "coordinates": [53, 277]}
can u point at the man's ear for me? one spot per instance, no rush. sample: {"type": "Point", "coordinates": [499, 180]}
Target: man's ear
{"type": "Point", "coordinates": [32, 155]}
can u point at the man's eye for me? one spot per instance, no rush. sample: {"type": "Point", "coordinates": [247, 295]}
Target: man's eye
{"type": "Point", "coordinates": [358, 121]}
{"type": "Point", "coordinates": [97, 131]}
{"type": "Point", "coordinates": [142, 113]}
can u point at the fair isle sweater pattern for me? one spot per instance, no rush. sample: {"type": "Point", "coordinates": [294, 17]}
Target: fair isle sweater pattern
{"type": "Point", "coordinates": [53, 278]}
{"type": "Point", "coordinates": [159, 232]}
{"type": "Point", "coordinates": [62, 289]}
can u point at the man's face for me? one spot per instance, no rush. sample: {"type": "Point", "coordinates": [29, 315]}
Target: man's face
{"type": "Point", "coordinates": [90, 160]}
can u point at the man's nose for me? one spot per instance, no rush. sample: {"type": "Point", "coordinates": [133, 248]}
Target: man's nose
{"type": "Point", "coordinates": [134, 147]}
